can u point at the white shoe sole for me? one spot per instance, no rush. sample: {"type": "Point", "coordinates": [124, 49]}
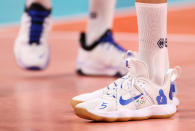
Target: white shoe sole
{"type": "Point", "coordinates": [154, 111]}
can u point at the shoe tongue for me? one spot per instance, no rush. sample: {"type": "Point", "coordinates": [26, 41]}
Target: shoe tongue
{"type": "Point", "coordinates": [137, 68]}
{"type": "Point", "coordinates": [37, 7]}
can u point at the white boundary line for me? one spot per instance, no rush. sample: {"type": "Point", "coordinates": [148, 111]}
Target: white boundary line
{"type": "Point", "coordinates": [119, 36]}
{"type": "Point", "coordinates": [122, 36]}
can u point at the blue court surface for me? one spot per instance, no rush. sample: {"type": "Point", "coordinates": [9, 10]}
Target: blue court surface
{"type": "Point", "coordinates": [11, 10]}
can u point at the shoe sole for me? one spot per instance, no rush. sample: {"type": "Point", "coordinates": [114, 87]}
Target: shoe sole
{"type": "Point", "coordinates": [85, 114]}
{"type": "Point", "coordinates": [32, 68]}
{"type": "Point", "coordinates": [75, 102]}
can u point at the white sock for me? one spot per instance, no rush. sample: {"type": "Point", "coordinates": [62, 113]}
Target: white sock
{"type": "Point", "coordinates": [45, 3]}
{"type": "Point", "coordinates": [152, 28]}
{"type": "Point", "coordinates": [101, 17]}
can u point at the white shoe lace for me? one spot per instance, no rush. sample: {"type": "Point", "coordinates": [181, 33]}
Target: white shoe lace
{"type": "Point", "coordinates": [111, 90]}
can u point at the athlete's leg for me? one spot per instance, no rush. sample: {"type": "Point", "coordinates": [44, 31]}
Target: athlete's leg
{"type": "Point", "coordinates": [152, 27]}
{"type": "Point", "coordinates": [100, 18]}
{"type": "Point", "coordinates": [46, 3]}
{"type": "Point", "coordinates": [98, 42]}
{"type": "Point", "coordinates": [145, 92]}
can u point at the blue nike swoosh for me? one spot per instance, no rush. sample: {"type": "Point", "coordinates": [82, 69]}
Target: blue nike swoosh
{"type": "Point", "coordinates": [126, 102]}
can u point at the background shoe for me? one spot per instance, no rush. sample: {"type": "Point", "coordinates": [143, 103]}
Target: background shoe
{"type": "Point", "coordinates": [31, 48]}
{"type": "Point", "coordinates": [103, 57]}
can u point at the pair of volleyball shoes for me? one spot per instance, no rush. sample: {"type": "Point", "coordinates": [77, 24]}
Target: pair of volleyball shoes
{"type": "Point", "coordinates": [32, 51]}
{"type": "Point", "coordinates": [131, 97]}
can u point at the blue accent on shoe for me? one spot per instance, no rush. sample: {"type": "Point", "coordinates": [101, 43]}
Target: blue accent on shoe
{"type": "Point", "coordinates": [121, 86]}
{"type": "Point", "coordinates": [104, 38]}
{"type": "Point", "coordinates": [103, 106]}
{"type": "Point", "coordinates": [129, 54]}
{"type": "Point", "coordinates": [115, 84]}
{"type": "Point", "coordinates": [127, 63]}
{"type": "Point", "coordinates": [126, 102]}
{"type": "Point", "coordinates": [36, 28]}
{"type": "Point", "coordinates": [109, 38]}
{"type": "Point", "coordinates": [172, 90]}
{"type": "Point", "coordinates": [33, 68]}
{"type": "Point", "coordinates": [161, 99]}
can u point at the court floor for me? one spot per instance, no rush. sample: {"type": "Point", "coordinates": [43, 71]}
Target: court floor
{"type": "Point", "coordinates": [35, 101]}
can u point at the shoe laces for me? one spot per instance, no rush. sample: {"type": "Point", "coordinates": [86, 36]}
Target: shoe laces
{"type": "Point", "coordinates": [36, 28]}
{"type": "Point", "coordinates": [130, 78]}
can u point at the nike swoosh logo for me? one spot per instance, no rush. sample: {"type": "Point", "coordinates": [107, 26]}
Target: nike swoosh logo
{"type": "Point", "coordinates": [126, 102]}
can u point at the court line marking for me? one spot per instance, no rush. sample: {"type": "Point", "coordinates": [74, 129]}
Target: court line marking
{"type": "Point", "coordinates": [123, 36]}
{"type": "Point", "coordinates": [119, 36]}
